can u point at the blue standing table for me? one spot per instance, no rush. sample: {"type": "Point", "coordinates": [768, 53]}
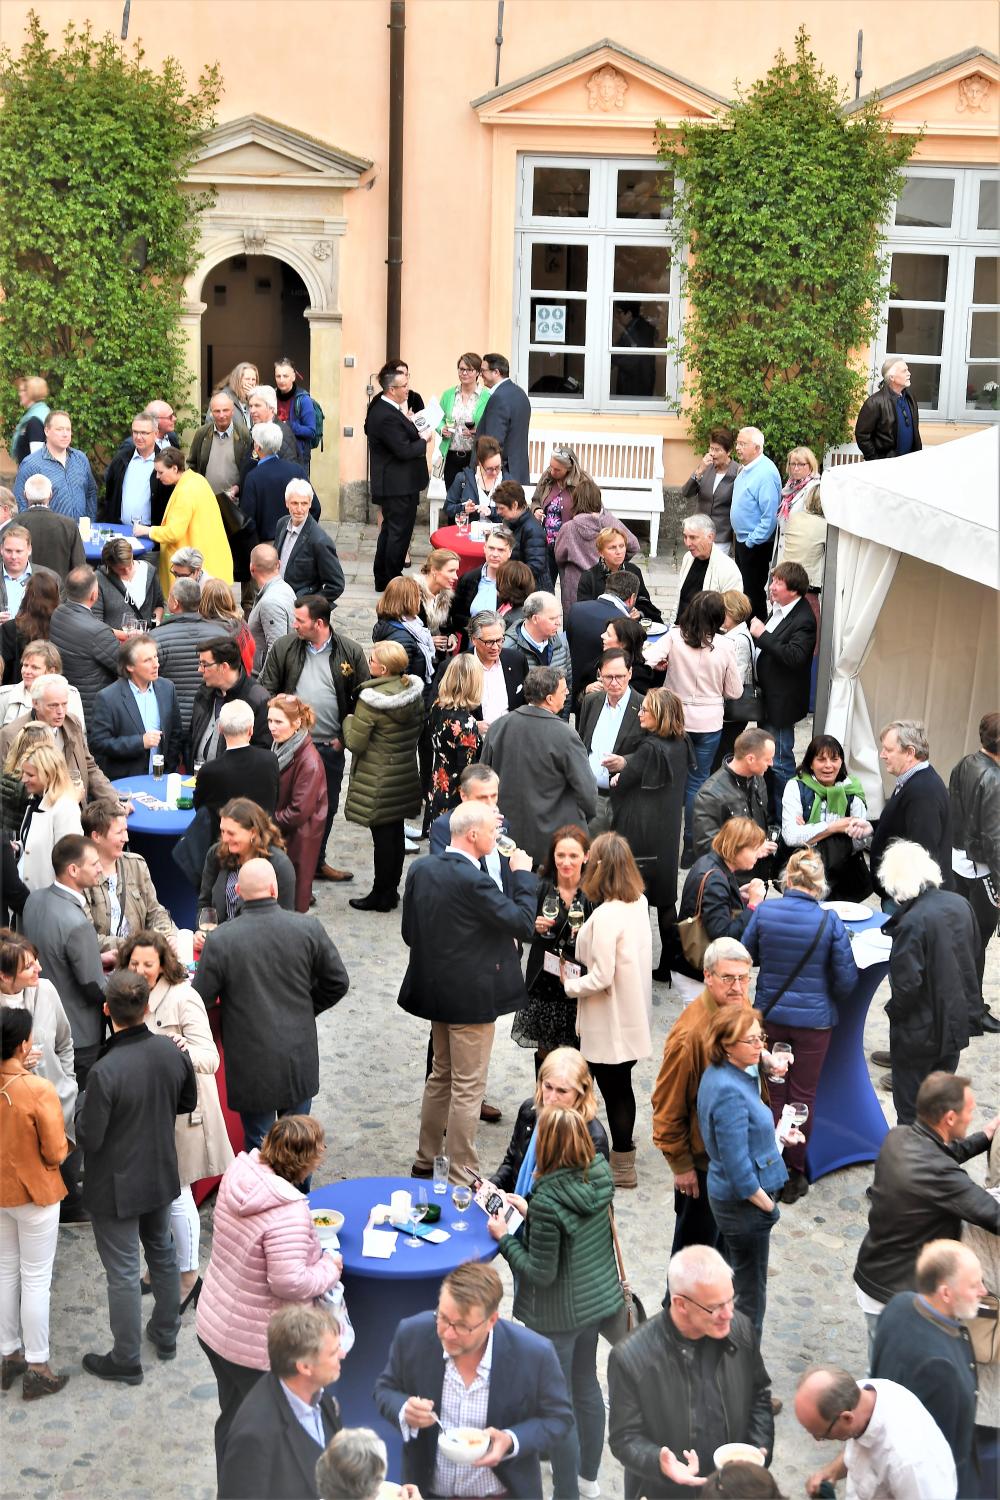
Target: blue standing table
{"type": "Point", "coordinates": [380, 1293]}
{"type": "Point", "coordinates": [153, 834]}
{"type": "Point", "coordinates": [848, 1123]}
{"type": "Point", "coordinates": [95, 546]}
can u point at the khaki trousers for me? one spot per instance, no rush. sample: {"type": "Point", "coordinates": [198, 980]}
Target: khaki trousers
{"type": "Point", "coordinates": [453, 1095]}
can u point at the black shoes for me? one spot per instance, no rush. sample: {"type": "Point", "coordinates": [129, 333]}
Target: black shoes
{"type": "Point", "coordinates": [192, 1296]}
{"type": "Point", "coordinates": [374, 902]}
{"type": "Point", "coordinates": [989, 1022]}
{"type": "Point", "coordinates": [163, 1351]}
{"type": "Point", "coordinates": [881, 1059]}
{"type": "Point", "coordinates": [796, 1187]}
{"type": "Point", "coordinates": [104, 1367]}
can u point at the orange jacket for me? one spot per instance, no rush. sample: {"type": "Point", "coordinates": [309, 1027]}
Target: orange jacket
{"type": "Point", "coordinates": [33, 1137]}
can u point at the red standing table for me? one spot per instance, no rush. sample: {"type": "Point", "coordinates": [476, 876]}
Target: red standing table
{"type": "Point", "coordinates": [471, 554]}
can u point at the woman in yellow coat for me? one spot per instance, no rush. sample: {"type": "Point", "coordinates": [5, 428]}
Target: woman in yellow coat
{"type": "Point", "coordinates": [192, 519]}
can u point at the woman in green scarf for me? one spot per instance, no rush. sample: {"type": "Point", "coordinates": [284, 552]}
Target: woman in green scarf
{"type": "Point", "coordinates": [825, 808]}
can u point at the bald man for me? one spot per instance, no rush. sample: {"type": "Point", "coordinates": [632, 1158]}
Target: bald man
{"type": "Point", "coordinates": [273, 613]}
{"type": "Point", "coordinates": [274, 972]}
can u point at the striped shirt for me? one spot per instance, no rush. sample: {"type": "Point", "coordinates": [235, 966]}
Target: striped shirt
{"type": "Point", "coordinates": [74, 492]}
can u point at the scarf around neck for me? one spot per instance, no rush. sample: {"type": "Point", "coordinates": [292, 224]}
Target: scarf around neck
{"type": "Point", "coordinates": [422, 636]}
{"type": "Point", "coordinates": [792, 488]}
{"type": "Point", "coordinates": [286, 751]}
{"type": "Point", "coordinates": [835, 799]}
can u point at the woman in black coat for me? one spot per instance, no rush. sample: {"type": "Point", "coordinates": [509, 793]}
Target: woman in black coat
{"type": "Point", "coordinates": [245, 832]}
{"type": "Point", "coordinates": [398, 618]}
{"type": "Point", "coordinates": [611, 545]}
{"type": "Point", "coordinates": [647, 804]}
{"type": "Point", "coordinates": [564, 1082]}
{"type": "Point", "coordinates": [725, 904]}
{"type": "Point", "coordinates": [548, 1020]}
{"type": "Point", "coordinates": [128, 588]}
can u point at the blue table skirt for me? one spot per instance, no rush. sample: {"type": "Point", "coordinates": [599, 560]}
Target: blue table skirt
{"type": "Point", "coordinates": [153, 835]}
{"type": "Point", "coordinates": [94, 548]}
{"type": "Point", "coordinates": [848, 1123]}
{"type": "Point", "coordinates": [380, 1293]}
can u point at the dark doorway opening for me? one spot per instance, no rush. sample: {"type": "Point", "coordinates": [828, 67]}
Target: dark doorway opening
{"type": "Point", "coordinates": [255, 306]}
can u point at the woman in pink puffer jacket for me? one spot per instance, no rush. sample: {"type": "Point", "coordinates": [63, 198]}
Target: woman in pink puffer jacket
{"type": "Point", "coordinates": [265, 1253]}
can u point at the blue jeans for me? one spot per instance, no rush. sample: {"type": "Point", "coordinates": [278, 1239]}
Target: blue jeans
{"type": "Point", "coordinates": [256, 1126]}
{"type": "Point", "coordinates": [579, 1452]}
{"type": "Point", "coordinates": [783, 770]}
{"type": "Point", "coordinates": [704, 744]}
{"type": "Point", "coordinates": [746, 1231]}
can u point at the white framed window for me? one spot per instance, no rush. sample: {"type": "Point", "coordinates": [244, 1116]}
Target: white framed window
{"type": "Point", "coordinates": [597, 294]}
{"type": "Point", "coordinates": [943, 316]}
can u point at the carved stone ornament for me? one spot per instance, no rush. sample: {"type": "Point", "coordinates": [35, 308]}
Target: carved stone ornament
{"type": "Point", "coordinates": [322, 250]}
{"type": "Point", "coordinates": [606, 89]}
{"type": "Point", "coordinates": [974, 93]}
{"type": "Point", "coordinates": [254, 239]}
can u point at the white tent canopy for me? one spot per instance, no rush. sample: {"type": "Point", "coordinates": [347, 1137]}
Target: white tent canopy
{"type": "Point", "coordinates": [915, 569]}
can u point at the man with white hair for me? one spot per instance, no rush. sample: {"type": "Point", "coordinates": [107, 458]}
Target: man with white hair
{"type": "Point", "coordinates": [541, 640]}
{"type": "Point", "coordinates": [888, 424]}
{"type": "Point", "coordinates": [56, 543]}
{"type": "Point", "coordinates": [919, 809]}
{"type": "Point", "coordinates": [273, 612]}
{"type": "Point", "coordinates": [262, 498]}
{"type": "Point", "coordinates": [753, 513]}
{"type": "Point", "coordinates": [242, 770]}
{"type": "Point", "coordinates": [691, 1378]}
{"type": "Point", "coordinates": [49, 694]}
{"type": "Point", "coordinates": [704, 565]}
{"type": "Point", "coordinates": [307, 554]}
{"type": "Point", "coordinates": [922, 1343]}
{"type": "Point", "coordinates": [676, 1131]}
{"type": "Point", "coordinates": [220, 447]}
{"type": "Point", "coordinates": [262, 404]}
{"type": "Point", "coordinates": [935, 999]}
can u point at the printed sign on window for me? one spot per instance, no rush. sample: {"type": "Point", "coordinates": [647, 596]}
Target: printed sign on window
{"type": "Point", "coordinates": [550, 323]}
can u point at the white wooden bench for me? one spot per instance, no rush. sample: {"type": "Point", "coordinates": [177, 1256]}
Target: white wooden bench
{"type": "Point", "coordinates": [845, 453]}
{"type": "Point", "coordinates": [627, 467]}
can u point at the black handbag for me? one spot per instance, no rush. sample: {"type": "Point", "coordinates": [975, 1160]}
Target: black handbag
{"type": "Point", "coordinates": [748, 709]}
{"type": "Point", "coordinates": [618, 1325]}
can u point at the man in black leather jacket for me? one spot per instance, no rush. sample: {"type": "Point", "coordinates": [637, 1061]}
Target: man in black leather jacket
{"type": "Point", "coordinates": [877, 431]}
{"type": "Point", "coordinates": [974, 789]}
{"type": "Point", "coordinates": [692, 1377]}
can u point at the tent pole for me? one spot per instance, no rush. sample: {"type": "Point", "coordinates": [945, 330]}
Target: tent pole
{"type": "Point", "coordinates": [824, 671]}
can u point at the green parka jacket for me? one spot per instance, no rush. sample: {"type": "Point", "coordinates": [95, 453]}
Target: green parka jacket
{"type": "Point", "coordinates": [382, 735]}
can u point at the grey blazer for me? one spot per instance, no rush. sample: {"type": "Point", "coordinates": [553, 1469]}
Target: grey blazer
{"type": "Point", "coordinates": [70, 952]}
{"type": "Point", "coordinates": [714, 503]}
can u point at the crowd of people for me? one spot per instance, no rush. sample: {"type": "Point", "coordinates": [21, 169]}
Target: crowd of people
{"type": "Point", "coordinates": [574, 761]}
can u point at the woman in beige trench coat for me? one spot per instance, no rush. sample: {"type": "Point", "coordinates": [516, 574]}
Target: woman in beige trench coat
{"type": "Point", "coordinates": [176, 1010]}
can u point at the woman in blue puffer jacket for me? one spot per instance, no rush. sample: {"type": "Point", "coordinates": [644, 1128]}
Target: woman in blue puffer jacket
{"type": "Point", "coordinates": [806, 965]}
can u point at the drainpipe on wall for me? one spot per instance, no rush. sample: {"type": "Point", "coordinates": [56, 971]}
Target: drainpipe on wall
{"type": "Point", "coordinates": [394, 244]}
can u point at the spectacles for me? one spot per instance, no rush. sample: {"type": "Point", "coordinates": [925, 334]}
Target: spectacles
{"type": "Point", "coordinates": [759, 1039]}
{"type": "Point", "coordinates": [564, 455]}
{"type": "Point", "coordinates": [460, 1328]}
{"type": "Point", "coordinates": [713, 1312]}
{"type": "Point", "coordinates": [614, 676]}
{"type": "Point", "coordinates": [831, 1427]}
{"type": "Point", "coordinates": [732, 981]}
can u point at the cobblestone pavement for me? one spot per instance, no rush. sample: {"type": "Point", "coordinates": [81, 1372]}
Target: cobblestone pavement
{"type": "Point", "coordinates": [99, 1441]}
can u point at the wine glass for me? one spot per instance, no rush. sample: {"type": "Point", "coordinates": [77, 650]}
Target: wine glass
{"type": "Point", "coordinates": [418, 1212]}
{"type": "Point", "coordinates": [505, 845]}
{"type": "Point", "coordinates": [575, 916]}
{"type": "Point", "coordinates": [780, 1052]}
{"type": "Point", "coordinates": [461, 1197]}
{"type": "Point", "coordinates": [800, 1114]}
{"type": "Point", "coordinates": [550, 908]}
{"type": "Point", "coordinates": [208, 919]}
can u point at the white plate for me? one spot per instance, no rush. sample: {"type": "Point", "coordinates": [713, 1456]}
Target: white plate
{"type": "Point", "coordinates": [849, 911]}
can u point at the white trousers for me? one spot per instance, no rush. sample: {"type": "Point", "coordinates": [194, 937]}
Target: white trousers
{"type": "Point", "coordinates": [185, 1226]}
{"type": "Point", "coordinates": [28, 1236]}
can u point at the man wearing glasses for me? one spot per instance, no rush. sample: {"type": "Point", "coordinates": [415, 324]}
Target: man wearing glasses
{"type": "Point", "coordinates": [675, 1094]}
{"type": "Point", "coordinates": [690, 1378]}
{"type": "Point", "coordinates": [496, 1377]}
{"type": "Point", "coordinates": [608, 724]}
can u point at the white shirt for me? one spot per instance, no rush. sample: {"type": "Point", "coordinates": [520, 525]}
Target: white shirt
{"type": "Point", "coordinates": [135, 490]}
{"type": "Point", "coordinates": [606, 730]}
{"type": "Point", "coordinates": [70, 892]}
{"type": "Point", "coordinates": [902, 1454]}
{"type": "Point", "coordinates": [494, 704]}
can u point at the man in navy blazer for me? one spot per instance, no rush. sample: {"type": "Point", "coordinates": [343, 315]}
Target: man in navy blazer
{"type": "Point", "coordinates": [587, 621]}
{"type": "Point", "coordinates": [262, 498]}
{"type": "Point", "coordinates": [136, 715]}
{"type": "Point", "coordinates": [785, 647]}
{"type": "Point", "coordinates": [477, 783]}
{"type": "Point", "coordinates": [464, 972]}
{"type": "Point", "coordinates": [919, 808]}
{"type": "Point", "coordinates": [506, 416]}
{"type": "Point", "coordinates": [398, 458]}
{"type": "Point", "coordinates": [494, 1375]}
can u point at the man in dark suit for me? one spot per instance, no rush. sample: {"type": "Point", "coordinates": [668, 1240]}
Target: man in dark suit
{"type": "Point", "coordinates": [785, 647]}
{"type": "Point", "coordinates": [262, 498]}
{"type": "Point", "coordinates": [56, 542]}
{"type": "Point", "coordinates": [137, 716]}
{"type": "Point", "coordinates": [398, 456]}
{"type": "Point", "coordinates": [520, 1396]}
{"type": "Point", "coordinates": [463, 973]}
{"type": "Point", "coordinates": [134, 1094]}
{"type": "Point", "coordinates": [587, 621]}
{"type": "Point", "coordinates": [506, 417]}
{"type": "Point", "coordinates": [504, 668]}
{"type": "Point", "coordinates": [223, 680]}
{"type": "Point", "coordinates": [919, 808]}
{"type": "Point", "coordinates": [17, 567]}
{"type": "Point", "coordinates": [608, 724]}
{"type": "Point", "coordinates": [306, 554]}
{"type": "Point", "coordinates": [88, 647]}
{"type": "Point", "coordinates": [242, 770]}
{"type": "Point", "coordinates": [285, 1422]}
{"type": "Point", "coordinates": [132, 488]}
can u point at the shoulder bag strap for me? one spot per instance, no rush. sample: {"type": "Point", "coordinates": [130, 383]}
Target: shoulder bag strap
{"type": "Point", "coordinates": [617, 1244]}
{"type": "Point", "coordinates": [799, 966]}
{"type": "Point", "coordinates": [701, 891]}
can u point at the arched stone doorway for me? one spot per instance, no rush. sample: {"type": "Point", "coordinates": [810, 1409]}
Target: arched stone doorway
{"type": "Point", "coordinates": [255, 308]}
{"type": "Point", "coordinates": [278, 210]}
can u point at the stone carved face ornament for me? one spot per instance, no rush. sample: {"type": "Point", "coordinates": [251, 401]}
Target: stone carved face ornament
{"type": "Point", "coordinates": [974, 93]}
{"type": "Point", "coordinates": [606, 89]}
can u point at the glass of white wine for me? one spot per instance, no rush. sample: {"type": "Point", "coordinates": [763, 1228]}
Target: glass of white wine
{"type": "Point", "coordinates": [800, 1114]}
{"type": "Point", "coordinates": [461, 1197]}
{"type": "Point", "coordinates": [575, 916]}
{"type": "Point", "coordinates": [550, 908]}
{"type": "Point", "coordinates": [506, 845]}
{"type": "Point", "coordinates": [418, 1213]}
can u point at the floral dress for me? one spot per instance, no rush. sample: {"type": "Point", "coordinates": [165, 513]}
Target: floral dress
{"type": "Point", "coordinates": [549, 1018]}
{"type": "Point", "coordinates": [455, 744]}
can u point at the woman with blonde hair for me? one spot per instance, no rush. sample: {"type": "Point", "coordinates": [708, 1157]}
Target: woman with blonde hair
{"type": "Point", "coordinates": [302, 794]}
{"type": "Point", "coordinates": [217, 606]}
{"type": "Point", "coordinates": [806, 966]}
{"type": "Point", "coordinates": [803, 540]}
{"type": "Point", "coordinates": [436, 580]}
{"type": "Point", "coordinates": [564, 1082]}
{"type": "Point", "coordinates": [52, 810]}
{"type": "Point", "coordinates": [614, 994]}
{"type": "Point", "coordinates": [802, 481]}
{"type": "Point", "coordinates": [712, 888]}
{"type": "Point", "coordinates": [566, 1278]}
{"type": "Point", "coordinates": [33, 393]}
{"type": "Point", "coordinates": [455, 730]}
{"type": "Point", "coordinates": [13, 795]}
{"type": "Point", "coordinates": [382, 735]}
{"type": "Point", "coordinates": [612, 557]}
{"type": "Point", "coordinates": [241, 380]}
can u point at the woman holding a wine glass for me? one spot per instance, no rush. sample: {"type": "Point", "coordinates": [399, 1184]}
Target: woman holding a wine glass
{"type": "Point", "coordinates": [245, 832]}
{"type": "Point", "coordinates": [806, 966]}
{"type": "Point", "coordinates": [564, 1082]}
{"type": "Point", "coordinates": [549, 1019]}
{"type": "Point", "coordinates": [462, 405]}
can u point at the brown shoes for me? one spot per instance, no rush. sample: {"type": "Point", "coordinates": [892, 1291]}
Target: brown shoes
{"type": "Point", "coordinates": [13, 1366]}
{"type": "Point", "coordinates": [36, 1384]}
{"type": "Point", "coordinates": [328, 872]}
{"type": "Point", "coordinates": [489, 1113]}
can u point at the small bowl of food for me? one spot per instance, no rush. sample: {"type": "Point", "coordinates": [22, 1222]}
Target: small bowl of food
{"type": "Point", "coordinates": [327, 1221]}
{"type": "Point", "coordinates": [737, 1453]}
{"type": "Point", "coordinates": [463, 1445]}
